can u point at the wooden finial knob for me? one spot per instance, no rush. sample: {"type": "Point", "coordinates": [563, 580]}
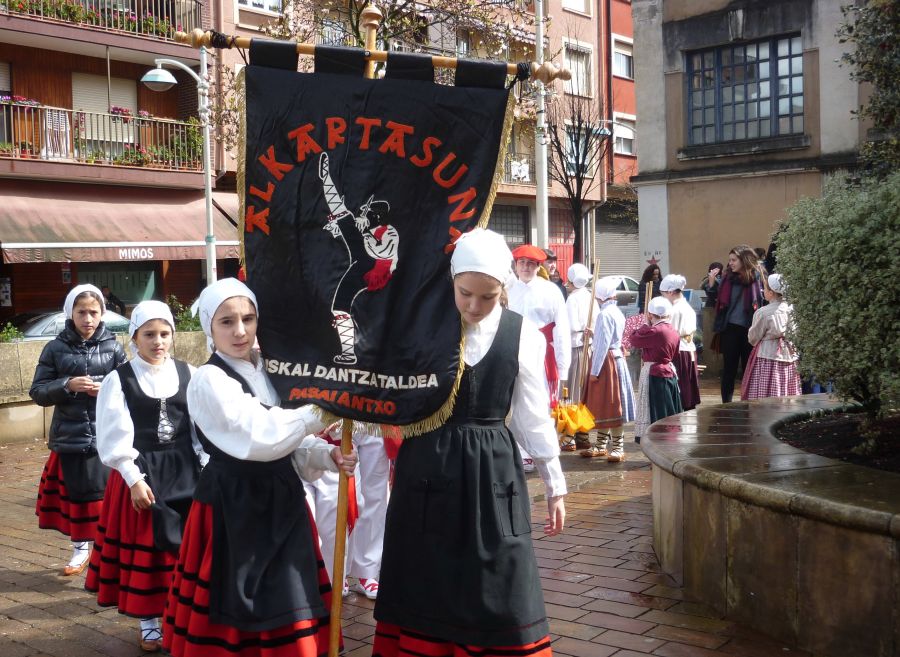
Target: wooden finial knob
{"type": "Point", "coordinates": [181, 37]}
{"type": "Point", "coordinates": [548, 72]}
{"type": "Point", "coordinates": [199, 38]}
{"type": "Point", "coordinates": [371, 17]}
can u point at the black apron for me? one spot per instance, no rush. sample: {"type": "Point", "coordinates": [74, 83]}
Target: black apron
{"type": "Point", "coordinates": [84, 475]}
{"type": "Point", "coordinates": [264, 564]}
{"type": "Point", "coordinates": [458, 562]}
{"type": "Point", "coordinates": [162, 436]}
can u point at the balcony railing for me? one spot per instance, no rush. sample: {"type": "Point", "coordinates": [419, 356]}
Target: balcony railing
{"type": "Point", "coordinates": [519, 170]}
{"type": "Point", "coordinates": [64, 135]}
{"type": "Point", "coordinates": [154, 18]}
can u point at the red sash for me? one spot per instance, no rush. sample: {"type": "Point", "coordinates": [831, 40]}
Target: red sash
{"type": "Point", "coordinates": [550, 365]}
{"type": "Point", "coordinates": [352, 504]}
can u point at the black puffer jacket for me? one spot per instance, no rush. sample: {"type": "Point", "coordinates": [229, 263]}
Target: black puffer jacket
{"type": "Point", "coordinates": [73, 429]}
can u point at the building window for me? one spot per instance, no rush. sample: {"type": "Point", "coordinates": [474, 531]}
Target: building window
{"type": "Point", "coordinates": [747, 91]}
{"type": "Point", "coordinates": [623, 60]}
{"type": "Point", "coordinates": [578, 60]}
{"type": "Point", "coordinates": [575, 5]}
{"type": "Point", "coordinates": [334, 33]}
{"type": "Point", "coordinates": [462, 43]}
{"type": "Point", "coordinates": [578, 159]}
{"type": "Point", "coordinates": [5, 114]}
{"type": "Point", "coordinates": [511, 221]}
{"type": "Point", "coordinates": [274, 6]}
{"type": "Point", "coordinates": [623, 132]}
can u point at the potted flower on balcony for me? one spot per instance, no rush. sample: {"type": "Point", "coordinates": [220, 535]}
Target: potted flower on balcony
{"type": "Point", "coordinates": [6, 149]}
{"type": "Point", "coordinates": [26, 150]}
{"type": "Point", "coordinates": [122, 114]}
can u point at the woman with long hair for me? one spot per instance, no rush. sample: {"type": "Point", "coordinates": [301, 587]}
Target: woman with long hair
{"type": "Point", "coordinates": [740, 295]}
{"type": "Point", "coordinates": [652, 274]}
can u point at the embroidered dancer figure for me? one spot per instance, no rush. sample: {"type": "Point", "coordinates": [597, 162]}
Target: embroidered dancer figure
{"type": "Point", "coordinates": [372, 246]}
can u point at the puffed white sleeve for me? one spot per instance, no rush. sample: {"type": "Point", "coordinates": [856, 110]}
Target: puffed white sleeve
{"type": "Point", "coordinates": [603, 333]}
{"type": "Point", "coordinates": [239, 425]}
{"type": "Point", "coordinates": [757, 329]}
{"type": "Point", "coordinates": [115, 431]}
{"type": "Point", "coordinates": [202, 456]}
{"type": "Point", "coordinates": [562, 338]}
{"type": "Point", "coordinates": [530, 420]}
{"type": "Point", "coordinates": [313, 457]}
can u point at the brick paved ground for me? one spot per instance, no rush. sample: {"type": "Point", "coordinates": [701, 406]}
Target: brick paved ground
{"type": "Point", "coordinates": [604, 592]}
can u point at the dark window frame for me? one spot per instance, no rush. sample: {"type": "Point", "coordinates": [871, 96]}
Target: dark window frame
{"type": "Point", "coordinates": [745, 91]}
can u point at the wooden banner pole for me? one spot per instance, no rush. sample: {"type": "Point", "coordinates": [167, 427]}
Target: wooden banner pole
{"type": "Point", "coordinates": [585, 353]}
{"type": "Point", "coordinates": [546, 72]}
{"type": "Point", "coordinates": [371, 19]}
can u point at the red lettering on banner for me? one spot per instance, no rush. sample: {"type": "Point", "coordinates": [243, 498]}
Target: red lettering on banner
{"type": "Point", "coordinates": [367, 125]}
{"type": "Point", "coordinates": [336, 129]}
{"type": "Point", "coordinates": [454, 235]}
{"type": "Point", "coordinates": [347, 400]}
{"type": "Point", "coordinates": [264, 195]}
{"type": "Point", "coordinates": [447, 184]}
{"type": "Point", "coordinates": [463, 199]}
{"type": "Point", "coordinates": [253, 220]}
{"type": "Point", "coordinates": [427, 155]}
{"type": "Point", "coordinates": [394, 142]}
{"type": "Point", "coordinates": [305, 143]}
{"type": "Point", "coordinates": [273, 166]}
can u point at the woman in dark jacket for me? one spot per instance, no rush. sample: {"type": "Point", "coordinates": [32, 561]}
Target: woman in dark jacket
{"type": "Point", "coordinates": [68, 377]}
{"type": "Point", "coordinates": [740, 294]}
{"type": "Point", "coordinates": [651, 274]}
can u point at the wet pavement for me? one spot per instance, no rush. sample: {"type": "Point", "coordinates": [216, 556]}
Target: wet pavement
{"type": "Point", "coordinates": [602, 584]}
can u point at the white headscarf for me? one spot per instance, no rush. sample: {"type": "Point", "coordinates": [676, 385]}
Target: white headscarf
{"type": "Point", "coordinates": [143, 313]}
{"type": "Point", "coordinates": [605, 288]}
{"type": "Point", "coordinates": [578, 275]}
{"type": "Point", "coordinates": [660, 306]}
{"type": "Point", "coordinates": [483, 251]}
{"type": "Point", "coordinates": [69, 304]}
{"type": "Point", "coordinates": [213, 296]}
{"type": "Point", "coordinates": [672, 282]}
{"type": "Point", "coordinates": [776, 283]}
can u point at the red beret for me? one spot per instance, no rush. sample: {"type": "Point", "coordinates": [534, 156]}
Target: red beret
{"type": "Point", "coordinates": [529, 251]}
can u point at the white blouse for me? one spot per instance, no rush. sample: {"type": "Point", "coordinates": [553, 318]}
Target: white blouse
{"type": "Point", "coordinates": [239, 424]}
{"type": "Point", "coordinates": [542, 303]}
{"type": "Point", "coordinates": [115, 428]}
{"type": "Point", "coordinates": [578, 306]}
{"type": "Point", "coordinates": [530, 420]}
{"type": "Point", "coordinates": [768, 328]}
{"type": "Point", "coordinates": [684, 321]}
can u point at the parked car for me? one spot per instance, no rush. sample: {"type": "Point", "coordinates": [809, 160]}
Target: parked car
{"type": "Point", "coordinates": [626, 294]}
{"type": "Point", "coordinates": [47, 325]}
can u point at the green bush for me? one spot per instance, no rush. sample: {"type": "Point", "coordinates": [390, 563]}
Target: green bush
{"type": "Point", "coordinates": [10, 333]}
{"type": "Point", "coordinates": [840, 256]}
{"type": "Point", "coordinates": [184, 321]}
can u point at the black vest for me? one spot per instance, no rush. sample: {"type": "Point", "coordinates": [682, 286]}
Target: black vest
{"type": "Point", "coordinates": [158, 423]}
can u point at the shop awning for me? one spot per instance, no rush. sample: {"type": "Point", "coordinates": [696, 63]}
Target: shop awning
{"type": "Point", "coordinates": [64, 222]}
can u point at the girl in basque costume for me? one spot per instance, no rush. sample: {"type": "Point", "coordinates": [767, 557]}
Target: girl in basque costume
{"type": "Point", "coordinates": [68, 377]}
{"type": "Point", "coordinates": [684, 321]}
{"type": "Point", "coordinates": [658, 393]}
{"type": "Point", "coordinates": [144, 435]}
{"type": "Point", "coordinates": [250, 580]}
{"type": "Point", "coordinates": [458, 569]}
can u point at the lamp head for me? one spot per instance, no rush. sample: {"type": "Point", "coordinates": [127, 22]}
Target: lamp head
{"type": "Point", "coordinates": [159, 79]}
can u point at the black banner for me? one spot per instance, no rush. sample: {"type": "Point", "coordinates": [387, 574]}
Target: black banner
{"type": "Point", "coordinates": [355, 191]}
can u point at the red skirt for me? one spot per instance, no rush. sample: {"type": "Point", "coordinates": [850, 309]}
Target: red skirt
{"type": "Point", "coordinates": [603, 395]}
{"type": "Point", "coordinates": [126, 571]}
{"type": "Point", "coordinates": [187, 629]}
{"type": "Point", "coordinates": [394, 641]}
{"type": "Point", "coordinates": [688, 383]}
{"type": "Point", "coordinates": [77, 520]}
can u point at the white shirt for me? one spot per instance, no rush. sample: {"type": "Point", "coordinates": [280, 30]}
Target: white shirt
{"type": "Point", "coordinates": [608, 331]}
{"type": "Point", "coordinates": [541, 302]}
{"type": "Point", "coordinates": [578, 306]}
{"type": "Point", "coordinates": [768, 328]}
{"type": "Point", "coordinates": [239, 424]}
{"type": "Point", "coordinates": [115, 428]}
{"type": "Point", "coordinates": [684, 321]}
{"type": "Point", "coordinates": [530, 420]}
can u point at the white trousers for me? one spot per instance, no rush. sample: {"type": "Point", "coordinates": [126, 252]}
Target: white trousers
{"type": "Point", "coordinates": [363, 556]}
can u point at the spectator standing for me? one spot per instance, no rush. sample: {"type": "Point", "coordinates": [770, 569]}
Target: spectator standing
{"type": "Point", "coordinates": [68, 376]}
{"type": "Point", "coordinates": [740, 295]}
{"type": "Point", "coordinates": [553, 272]}
{"type": "Point", "coordinates": [112, 301]}
{"type": "Point", "coordinates": [710, 284]}
{"type": "Point", "coordinates": [771, 370]}
{"type": "Point", "coordinates": [653, 275]}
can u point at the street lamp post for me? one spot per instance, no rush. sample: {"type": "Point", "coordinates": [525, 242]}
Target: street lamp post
{"type": "Point", "coordinates": [159, 79]}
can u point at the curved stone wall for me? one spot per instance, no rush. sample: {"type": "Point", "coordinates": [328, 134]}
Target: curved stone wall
{"type": "Point", "coordinates": [804, 548]}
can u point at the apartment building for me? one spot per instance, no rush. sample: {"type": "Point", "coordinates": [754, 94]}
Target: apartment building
{"type": "Point", "coordinates": [101, 178]}
{"type": "Point", "coordinates": [745, 108]}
